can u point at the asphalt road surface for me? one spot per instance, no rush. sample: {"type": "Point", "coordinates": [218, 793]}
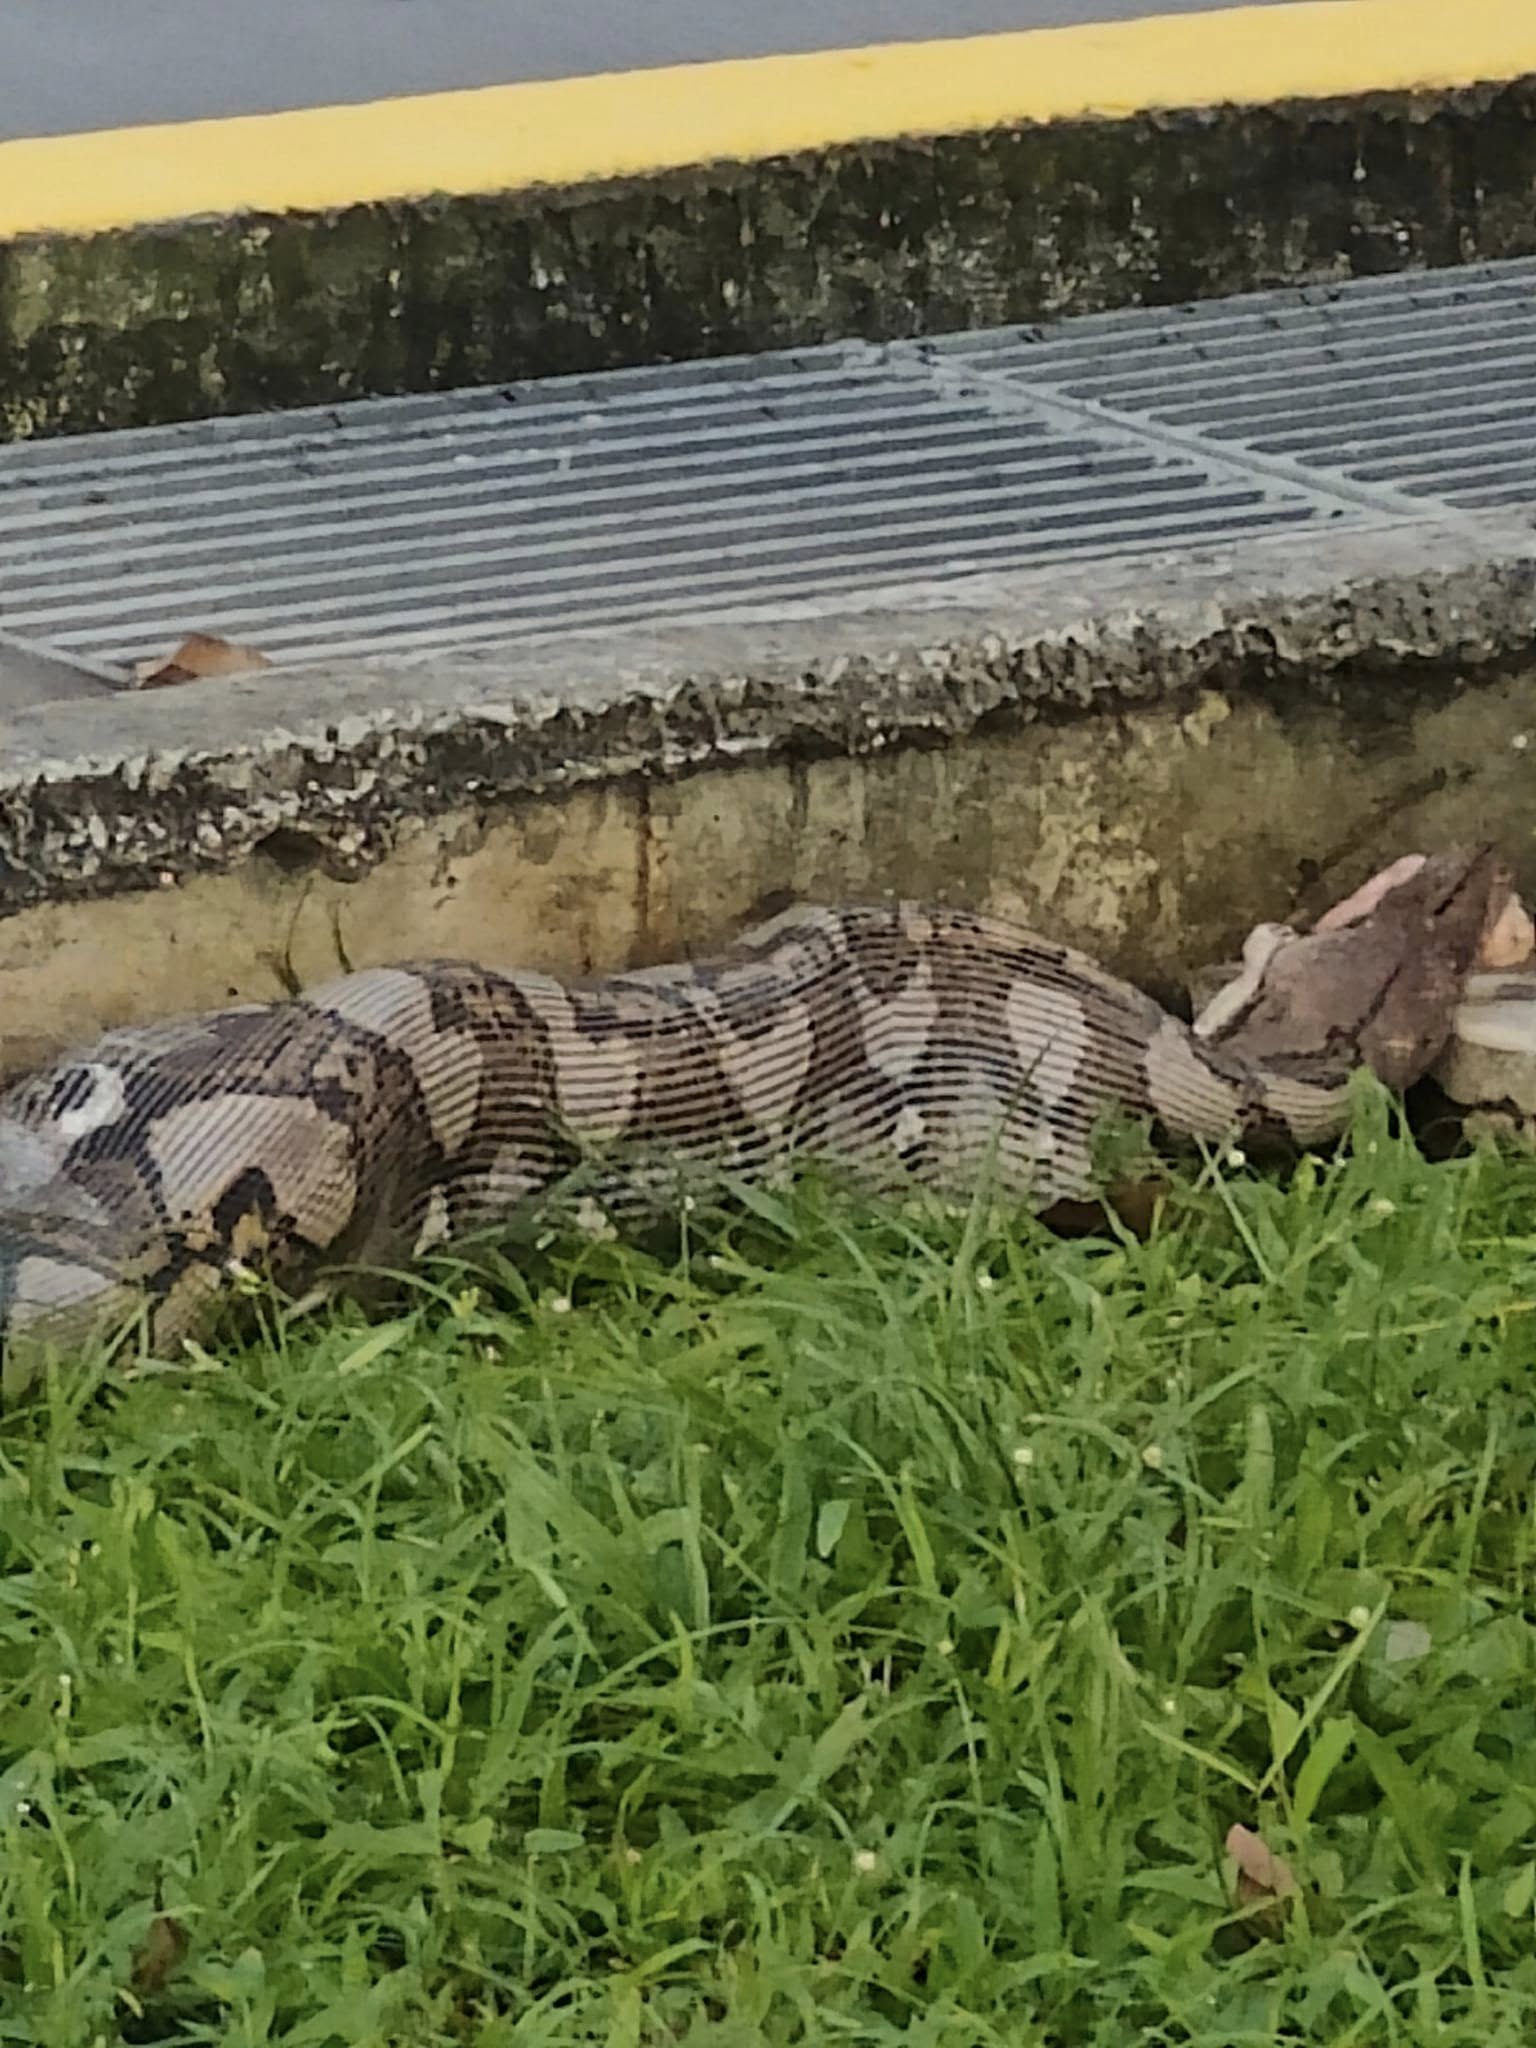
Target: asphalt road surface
{"type": "Point", "coordinates": [70, 65]}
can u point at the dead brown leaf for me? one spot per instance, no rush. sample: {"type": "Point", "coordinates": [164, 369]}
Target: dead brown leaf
{"type": "Point", "coordinates": [1509, 939]}
{"type": "Point", "coordinates": [1264, 1880]}
{"type": "Point", "coordinates": [164, 1950]}
{"type": "Point", "coordinates": [200, 655]}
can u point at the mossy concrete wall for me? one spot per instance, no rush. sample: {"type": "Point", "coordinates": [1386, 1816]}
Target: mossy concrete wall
{"type": "Point", "coordinates": [881, 240]}
{"type": "Point", "coordinates": [1142, 761]}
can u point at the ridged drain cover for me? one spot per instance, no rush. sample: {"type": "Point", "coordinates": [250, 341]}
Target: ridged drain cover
{"type": "Point", "coordinates": [539, 508]}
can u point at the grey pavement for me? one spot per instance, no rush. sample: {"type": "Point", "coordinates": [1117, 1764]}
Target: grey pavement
{"type": "Point", "coordinates": [115, 63]}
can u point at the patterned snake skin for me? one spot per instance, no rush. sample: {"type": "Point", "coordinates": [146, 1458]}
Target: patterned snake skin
{"type": "Point", "coordinates": [401, 1107]}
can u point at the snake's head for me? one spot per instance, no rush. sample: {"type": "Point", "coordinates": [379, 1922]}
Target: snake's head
{"type": "Point", "coordinates": [1378, 982]}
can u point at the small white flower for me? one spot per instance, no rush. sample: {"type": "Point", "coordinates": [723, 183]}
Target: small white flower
{"type": "Point", "coordinates": [1152, 1457]}
{"type": "Point", "coordinates": [1383, 1206]}
{"type": "Point", "coordinates": [1520, 742]}
{"type": "Point", "coordinates": [1024, 1457]}
{"type": "Point", "coordinates": [865, 1860]}
{"type": "Point", "coordinates": [945, 1647]}
{"type": "Point", "coordinates": [1236, 1156]}
{"type": "Point", "coordinates": [985, 1282]}
{"type": "Point", "coordinates": [1359, 1618]}
{"type": "Point", "coordinates": [593, 1220]}
{"type": "Point", "coordinates": [560, 1304]}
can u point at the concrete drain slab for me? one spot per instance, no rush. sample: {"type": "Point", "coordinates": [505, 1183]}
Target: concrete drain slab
{"type": "Point", "coordinates": [424, 525]}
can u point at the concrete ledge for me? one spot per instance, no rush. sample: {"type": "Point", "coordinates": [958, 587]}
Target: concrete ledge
{"type": "Point", "coordinates": [170, 273]}
{"type": "Point", "coordinates": [1142, 758]}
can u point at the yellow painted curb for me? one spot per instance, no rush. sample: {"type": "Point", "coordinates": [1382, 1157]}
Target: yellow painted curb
{"type": "Point", "coordinates": [570, 131]}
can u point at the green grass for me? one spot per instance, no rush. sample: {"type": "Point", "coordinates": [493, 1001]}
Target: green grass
{"type": "Point", "coordinates": [858, 1626]}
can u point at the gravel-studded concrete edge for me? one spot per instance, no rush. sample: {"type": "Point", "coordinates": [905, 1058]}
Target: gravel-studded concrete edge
{"type": "Point", "coordinates": [329, 763]}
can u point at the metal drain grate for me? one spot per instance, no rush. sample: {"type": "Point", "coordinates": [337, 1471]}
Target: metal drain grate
{"type": "Point", "coordinates": [577, 503]}
{"type": "Point", "coordinates": [1424, 385]}
{"type": "Point", "coordinates": [553, 506]}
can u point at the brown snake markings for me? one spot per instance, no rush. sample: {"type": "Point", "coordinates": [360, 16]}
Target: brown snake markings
{"type": "Point", "coordinates": [401, 1106]}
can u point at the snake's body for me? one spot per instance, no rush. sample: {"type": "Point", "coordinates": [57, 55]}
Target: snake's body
{"type": "Point", "coordinates": [399, 1107]}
